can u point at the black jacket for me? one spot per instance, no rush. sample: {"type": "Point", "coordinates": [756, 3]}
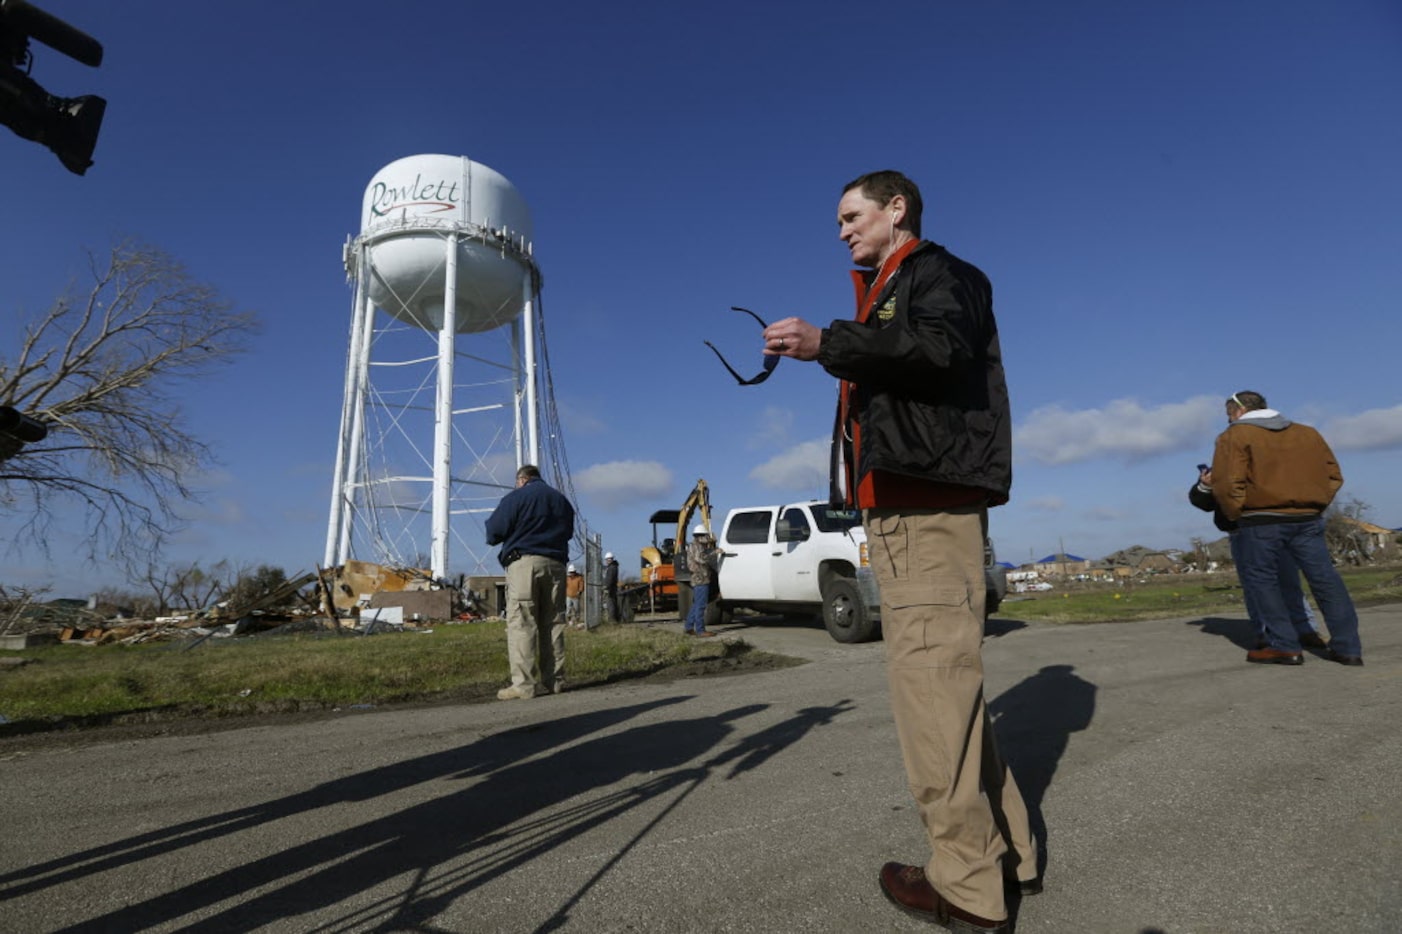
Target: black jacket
{"type": "Point", "coordinates": [1204, 500]}
{"type": "Point", "coordinates": [929, 391]}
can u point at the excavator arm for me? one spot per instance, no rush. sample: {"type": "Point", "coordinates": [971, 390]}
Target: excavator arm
{"type": "Point", "coordinates": [699, 500]}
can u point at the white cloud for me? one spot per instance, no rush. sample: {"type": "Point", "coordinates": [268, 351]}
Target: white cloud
{"type": "Point", "coordinates": [1123, 429]}
{"type": "Point", "coordinates": [618, 483]}
{"type": "Point", "coordinates": [775, 427]}
{"type": "Point", "coordinates": [1046, 504]}
{"type": "Point", "coordinates": [1374, 430]}
{"type": "Point", "coordinates": [579, 420]}
{"type": "Point", "coordinates": [803, 467]}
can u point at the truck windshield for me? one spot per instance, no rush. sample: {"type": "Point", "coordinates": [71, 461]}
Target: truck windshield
{"type": "Point", "coordinates": [835, 520]}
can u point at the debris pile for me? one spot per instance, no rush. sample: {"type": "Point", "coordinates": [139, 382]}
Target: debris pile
{"type": "Point", "coordinates": [357, 597]}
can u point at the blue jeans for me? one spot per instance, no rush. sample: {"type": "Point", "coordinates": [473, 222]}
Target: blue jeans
{"type": "Point", "coordinates": [1289, 575]}
{"type": "Point", "coordinates": [1261, 549]}
{"type": "Point", "coordinates": [696, 616]}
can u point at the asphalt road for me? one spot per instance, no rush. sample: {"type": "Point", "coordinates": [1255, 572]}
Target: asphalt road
{"type": "Point", "coordinates": [1181, 790]}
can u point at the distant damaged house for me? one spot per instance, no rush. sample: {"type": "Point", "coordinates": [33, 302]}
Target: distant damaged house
{"type": "Point", "coordinates": [1139, 560]}
{"type": "Point", "coordinates": [359, 586]}
{"type": "Point", "coordinates": [1061, 565]}
{"type": "Point", "coordinates": [1355, 541]}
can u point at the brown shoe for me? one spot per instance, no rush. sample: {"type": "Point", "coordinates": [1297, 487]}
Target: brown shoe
{"type": "Point", "coordinates": [910, 891]}
{"type": "Point", "coordinates": [705, 635]}
{"type": "Point", "coordinates": [1275, 657]}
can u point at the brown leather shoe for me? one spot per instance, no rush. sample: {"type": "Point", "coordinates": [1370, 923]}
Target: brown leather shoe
{"type": "Point", "coordinates": [909, 890]}
{"type": "Point", "coordinates": [1275, 657]}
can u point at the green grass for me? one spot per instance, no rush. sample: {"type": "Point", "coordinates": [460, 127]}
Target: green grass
{"type": "Point", "coordinates": [72, 685]}
{"type": "Point", "coordinates": [94, 685]}
{"type": "Point", "coordinates": [1174, 595]}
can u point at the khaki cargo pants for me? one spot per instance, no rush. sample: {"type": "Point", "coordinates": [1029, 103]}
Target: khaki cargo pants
{"type": "Point", "coordinates": [535, 622]}
{"type": "Point", "coordinates": [929, 563]}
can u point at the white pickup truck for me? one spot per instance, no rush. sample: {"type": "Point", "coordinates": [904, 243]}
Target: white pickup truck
{"type": "Point", "coordinates": [804, 558]}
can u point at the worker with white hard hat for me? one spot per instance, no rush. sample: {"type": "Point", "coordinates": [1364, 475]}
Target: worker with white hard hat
{"type": "Point", "coordinates": [574, 598]}
{"type": "Point", "coordinates": [611, 609]}
{"type": "Point", "coordinates": [701, 557]}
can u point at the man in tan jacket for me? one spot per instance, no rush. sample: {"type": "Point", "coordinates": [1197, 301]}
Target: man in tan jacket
{"type": "Point", "coordinates": [1275, 478]}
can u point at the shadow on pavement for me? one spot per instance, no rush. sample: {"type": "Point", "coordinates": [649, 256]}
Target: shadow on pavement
{"type": "Point", "coordinates": [993, 627]}
{"type": "Point", "coordinates": [509, 798]}
{"type": "Point", "coordinates": [1034, 721]}
{"type": "Point", "coordinates": [1237, 631]}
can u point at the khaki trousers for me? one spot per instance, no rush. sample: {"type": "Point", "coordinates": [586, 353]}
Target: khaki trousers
{"type": "Point", "coordinates": [535, 622]}
{"type": "Point", "coordinates": [929, 564]}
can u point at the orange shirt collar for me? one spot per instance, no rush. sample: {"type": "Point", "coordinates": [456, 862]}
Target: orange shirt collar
{"type": "Point", "coordinates": [869, 284]}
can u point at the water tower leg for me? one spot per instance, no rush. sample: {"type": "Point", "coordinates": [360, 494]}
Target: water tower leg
{"type": "Point", "coordinates": [356, 487]}
{"type": "Point", "coordinates": [517, 377]}
{"type": "Point", "coordinates": [344, 476]}
{"type": "Point", "coordinates": [532, 404]}
{"type": "Point", "coordinates": [443, 417]}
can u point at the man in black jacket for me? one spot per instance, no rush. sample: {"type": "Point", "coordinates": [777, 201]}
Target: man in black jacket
{"type": "Point", "coordinates": [533, 524]}
{"type": "Point", "coordinates": [612, 611]}
{"type": "Point", "coordinates": [923, 445]}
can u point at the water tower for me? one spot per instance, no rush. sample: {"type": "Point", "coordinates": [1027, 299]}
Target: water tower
{"type": "Point", "coordinates": [441, 389]}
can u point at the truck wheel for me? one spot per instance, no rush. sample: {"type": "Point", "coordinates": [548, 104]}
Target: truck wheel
{"type": "Point", "coordinates": [717, 615]}
{"type": "Point", "coordinates": [844, 613]}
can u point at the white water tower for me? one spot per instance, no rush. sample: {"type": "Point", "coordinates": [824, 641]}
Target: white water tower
{"type": "Point", "coordinates": [441, 400]}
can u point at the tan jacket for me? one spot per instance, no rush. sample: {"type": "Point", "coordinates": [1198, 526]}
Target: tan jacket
{"type": "Point", "coordinates": [1272, 466]}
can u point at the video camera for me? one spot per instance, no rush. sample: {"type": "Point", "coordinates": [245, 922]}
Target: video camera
{"type": "Point", "coordinates": [66, 125]}
{"type": "Point", "coordinates": [17, 430]}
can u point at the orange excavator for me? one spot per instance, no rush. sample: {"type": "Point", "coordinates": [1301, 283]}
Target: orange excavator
{"type": "Point", "coordinates": [666, 581]}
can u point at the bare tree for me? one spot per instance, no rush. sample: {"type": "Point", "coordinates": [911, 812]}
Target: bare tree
{"type": "Point", "coordinates": [117, 601]}
{"type": "Point", "coordinates": [1347, 540]}
{"type": "Point", "coordinates": [102, 369]}
{"type": "Point", "coordinates": [1198, 557]}
{"type": "Point", "coordinates": [14, 602]}
{"type": "Point", "coordinates": [194, 588]}
{"type": "Point", "coordinates": [159, 579]}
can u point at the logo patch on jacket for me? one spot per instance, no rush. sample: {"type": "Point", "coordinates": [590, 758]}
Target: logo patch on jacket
{"type": "Point", "coordinates": [887, 311]}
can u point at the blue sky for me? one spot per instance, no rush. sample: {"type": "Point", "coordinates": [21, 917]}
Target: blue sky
{"type": "Point", "coordinates": [1173, 201]}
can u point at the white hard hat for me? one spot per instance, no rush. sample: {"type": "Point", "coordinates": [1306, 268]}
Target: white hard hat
{"type": "Point", "coordinates": [608, 556]}
{"type": "Point", "coordinates": [700, 530]}
{"type": "Point", "coordinates": [570, 569]}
